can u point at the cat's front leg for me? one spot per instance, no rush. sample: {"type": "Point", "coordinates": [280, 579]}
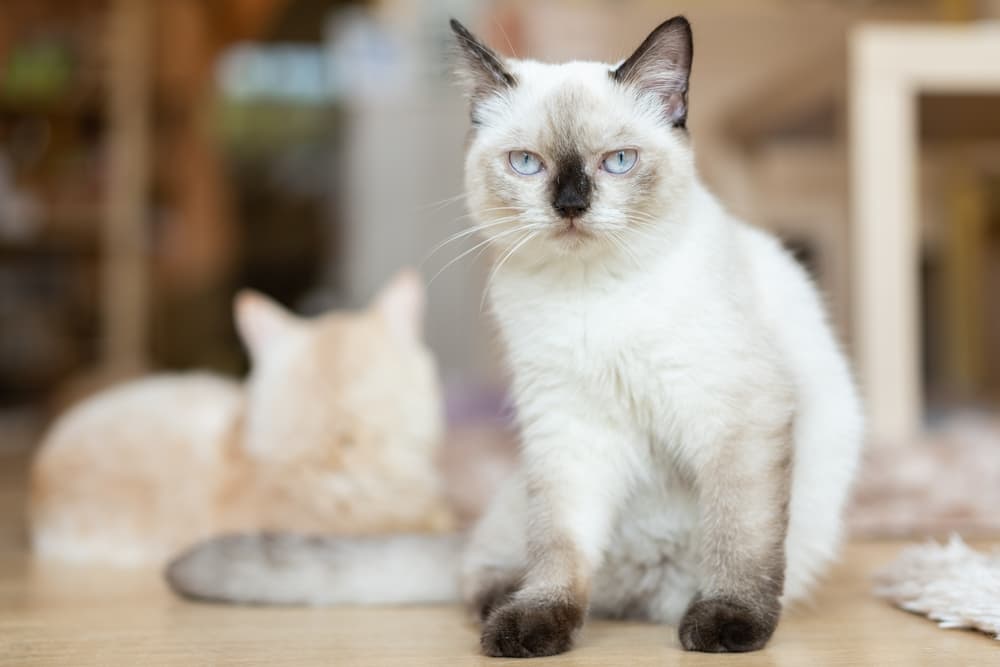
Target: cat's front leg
{"type": "Point", "coordinates": [743, 489]}
{"type": "Point", "coordinates": [576, 478]}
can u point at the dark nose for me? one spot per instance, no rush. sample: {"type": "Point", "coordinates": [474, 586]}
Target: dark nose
{"type": "Point", "coordinates": [571, 188]}
{"type": "Point", "coordinates": [572, 199]}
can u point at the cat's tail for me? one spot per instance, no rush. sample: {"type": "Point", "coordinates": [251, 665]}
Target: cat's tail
{"type": "Point", "coordinates": [285, 569]}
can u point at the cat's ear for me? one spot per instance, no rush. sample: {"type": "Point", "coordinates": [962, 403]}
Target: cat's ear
{"type": "Point", "coordinates": [401, 303]}
{"type": "Point", "coordinates": [261, 321]}
{"type": "Point", "coordinates": [480, 69]}
{"type": "Point", "coordinates": [662, 66]}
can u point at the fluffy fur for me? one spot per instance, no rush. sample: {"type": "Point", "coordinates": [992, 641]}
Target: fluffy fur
{"type": "Point", "coordinates": [335, 430]}
{"type": "Point", "coordinates": [690, 428]}
{"type": "Point", "coordinates": [949, 583]}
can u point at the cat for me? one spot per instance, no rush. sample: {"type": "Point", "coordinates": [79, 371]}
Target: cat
{"type": "Point", "coordinates": [335, 430]}
{"type": "Point", "coordinates": [690, 428]}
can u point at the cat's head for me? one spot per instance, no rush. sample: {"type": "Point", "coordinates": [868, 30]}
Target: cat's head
{"type": "Point", "coordinates": [578, 159]}
{"type": "Point", "coordinates": [345, 384]}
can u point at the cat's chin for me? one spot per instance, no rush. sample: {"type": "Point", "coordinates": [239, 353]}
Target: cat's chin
{"type": "Point", "coordinates": [577, 244]}
{"type": "Point", "coordinates": [570, 245]}
{"type": "Point", "coordinates": [588, 247]}
{"type": "Point", "coordinates": [572, 236]}
{"type": "Point", "coordinates": [581, 243]}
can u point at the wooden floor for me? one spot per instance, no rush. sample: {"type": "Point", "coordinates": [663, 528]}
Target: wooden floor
{"type": "Point", "coordinates": [69, 616]}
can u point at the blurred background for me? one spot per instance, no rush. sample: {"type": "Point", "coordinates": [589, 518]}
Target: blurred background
{"type": "Point", "coordinates": [157, 155]}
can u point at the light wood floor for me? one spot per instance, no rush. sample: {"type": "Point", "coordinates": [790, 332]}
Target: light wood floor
{"type": "Point", "coordinates": [76, 617]}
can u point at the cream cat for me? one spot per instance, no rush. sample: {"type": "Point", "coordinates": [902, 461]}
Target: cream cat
{"type": "Point", "coordinates": [690, 427]}
{"type": "Point", "coordinates": [335, 430]}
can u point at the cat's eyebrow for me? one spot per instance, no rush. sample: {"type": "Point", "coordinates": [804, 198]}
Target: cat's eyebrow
{"type": "Point", "coordinates": [614, 139]}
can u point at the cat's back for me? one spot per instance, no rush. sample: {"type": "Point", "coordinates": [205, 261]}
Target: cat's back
{"type": "Point", "coordinates": [113, 476]}
{"type": "Point", "coordinates": [198, 404]}
{"type": "Point", "coordinates": [791, 306]}
{"type": "Point", "coordinates": [828, 431]}
{"type": "Point", "coordinates": [781, 284]}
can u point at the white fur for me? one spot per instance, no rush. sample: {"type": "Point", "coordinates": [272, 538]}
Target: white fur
{"type": "Point", "coordinates": [628, 361]}
{"type": "Point", "coordinates": [949, 583]}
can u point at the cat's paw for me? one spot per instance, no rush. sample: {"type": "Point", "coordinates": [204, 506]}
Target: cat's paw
{"type": "Point", "coordinates": [531, 628]}
{"type": "Point", "coordinates": [724, 625]}
{"type": "Point", "coordinates": [492, 596]}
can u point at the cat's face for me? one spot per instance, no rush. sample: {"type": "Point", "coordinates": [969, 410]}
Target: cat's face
{"type": "Point", "coordinates": [579, 159]}
{"type": "Point", "coordinates": [341, 386]}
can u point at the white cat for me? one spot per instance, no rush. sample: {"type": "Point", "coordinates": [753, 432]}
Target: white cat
{"type": "Point", "coordinates": [690, 428]}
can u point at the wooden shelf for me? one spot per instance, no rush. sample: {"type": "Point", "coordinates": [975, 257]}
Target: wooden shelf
{"type": "Point", "coordinates": [55, 245]}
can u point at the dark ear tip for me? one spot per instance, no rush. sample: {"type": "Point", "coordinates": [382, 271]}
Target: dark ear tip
{"type": "Point", "coordinates": [458, 28]}
{"type": "Point", "coordinates": [678, 22]}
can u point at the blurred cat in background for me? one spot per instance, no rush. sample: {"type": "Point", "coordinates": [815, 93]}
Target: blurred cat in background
{"type": "Point", "coordinates": [336, 430]}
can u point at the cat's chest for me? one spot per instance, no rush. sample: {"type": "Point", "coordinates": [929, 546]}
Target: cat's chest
{"type": "Point", "coordinates": [611, 342]}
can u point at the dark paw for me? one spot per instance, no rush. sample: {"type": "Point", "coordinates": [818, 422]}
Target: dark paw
{"type": "Point", "coordinates": [492, 597]}
{"type": "Point", "coordinates": [530, 629]}
{"type": "Point", "coordinates": [722, 625]}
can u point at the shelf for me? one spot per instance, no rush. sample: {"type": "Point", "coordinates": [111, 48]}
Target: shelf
{"type": "Point", "coordinates": [50, 245]}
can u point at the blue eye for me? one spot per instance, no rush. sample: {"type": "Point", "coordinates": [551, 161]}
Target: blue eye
{"type": "Point", "coordinates": [620, 161]}
{"type": "Point", "coordinates": [525, 163]}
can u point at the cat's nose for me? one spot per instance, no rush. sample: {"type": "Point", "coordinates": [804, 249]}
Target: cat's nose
{"type": "Point", "coordinates": [571, 188]}
{"type": "Point", "coordinates": [570, 202]}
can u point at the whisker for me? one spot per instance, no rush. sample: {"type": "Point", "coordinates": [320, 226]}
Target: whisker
{"type": "Point", "coordinates": [506, 38]}
{"type": "Point", "coordinates": [532, 227]}
{"type": "Point", "coordinates": [643, 217]}
{"type": "Point", "coordinates": [499, 265]}
{"type": "Point", "coordinates": [483, 212]}
{"type": "Point", "coordinates": [492, 239]}
{"type": "Point", "coordinates": [623, 244]}
{"type": "Point", "coordinates": [466, 232]}
{"type": "Point", "coordinates": [615, 240]}
{"type": "Point", "coordinates": [492, 208]}
{"type": "Point", "coordinates": [472, 214]}
{"type": "Point", "coordinates": [640, 216]}
{"type": "Point", "coordinates": [441, 203]}
{"type": "Point", "coordinates": [638, 232]}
